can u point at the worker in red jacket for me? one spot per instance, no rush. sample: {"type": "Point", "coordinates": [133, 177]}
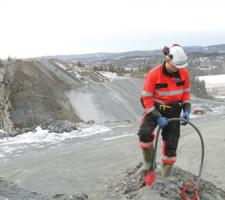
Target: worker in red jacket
{"type": "Point", "coordinates": [165, 94]}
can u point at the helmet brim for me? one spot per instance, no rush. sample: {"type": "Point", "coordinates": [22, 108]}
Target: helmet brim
{"type": "Point", "coordinates": [180, 66]}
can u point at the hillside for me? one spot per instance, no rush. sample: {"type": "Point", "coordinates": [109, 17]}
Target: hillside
{"type": "Point", "coordinates": [95, 57]}
{"type": "Point", "coordinates": [37, 94]}
{"type": "Point", "coordinates": [55, 93]}
{"type": "Point", "coordinates": [81, 137]}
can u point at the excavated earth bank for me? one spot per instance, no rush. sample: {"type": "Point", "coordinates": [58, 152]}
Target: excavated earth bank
{"type": "Point", "coordinates": [37, 94]}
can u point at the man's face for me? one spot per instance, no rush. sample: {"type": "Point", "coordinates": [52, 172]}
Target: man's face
{"type": "Point", "coordinates": [171, 67]}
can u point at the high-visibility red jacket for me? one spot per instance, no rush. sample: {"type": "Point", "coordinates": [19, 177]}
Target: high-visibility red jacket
{"type": "Point", "coordinates": [160, 87]}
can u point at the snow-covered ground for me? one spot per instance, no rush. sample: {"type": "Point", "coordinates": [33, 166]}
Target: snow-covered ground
{"type": "Point", "coordinates": [41, 138]}
{"type": "Point", "coordinates": [213, 80]}
{"type": "Point", "coordinates": [61, 65]}
{"type": "Point", "coordinates": [219, 97]}
{"type": "Point", "coordinates": [111, 75]}
{"type": "Point", "coordinates": [75, 71]}
{"type": "Point", "coordinates": [82, 165]}
{"type": "Point", "coordinates": [215, 84]}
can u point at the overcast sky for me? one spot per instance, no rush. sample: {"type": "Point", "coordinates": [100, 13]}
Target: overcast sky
{"type": "Point", "coordinates": [31, 28]}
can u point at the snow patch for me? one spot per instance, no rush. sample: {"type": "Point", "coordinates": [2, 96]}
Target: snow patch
{"type": "Point", "coordinates": [111, 75]}
{"type": "Point", "coordinates": [215, 84]}
{"type": "Point", "coordinates": [219, 97]}
{"type": "Point", "coordinates": [41, 138]}
{"type": "Point", "coordinates": [77, 75]}
{"type": "Point", "coordinates": [61, 65]}
{"type": "Point", "coordinates": [213, 80]}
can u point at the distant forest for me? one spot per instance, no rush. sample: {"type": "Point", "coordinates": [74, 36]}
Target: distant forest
{"type": "Point", "coordinates": [200, 64]}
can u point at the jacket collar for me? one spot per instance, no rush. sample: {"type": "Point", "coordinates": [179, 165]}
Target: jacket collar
{"type": "Point", "coordinates": [167, 73]}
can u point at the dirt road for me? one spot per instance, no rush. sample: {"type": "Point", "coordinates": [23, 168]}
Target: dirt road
{"type": "Point", "coordinates": [83, 165]}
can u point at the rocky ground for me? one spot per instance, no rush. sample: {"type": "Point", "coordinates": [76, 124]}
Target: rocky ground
{"type": "Point", "coordinates": [43, 93]}
{"type": "Point", "coordinates": [129, 185]}
{"type": "Point", "coordinates": [96, 165]}
{"type": "Point", "coordinates": [132, 186]}
{"type": "Point", "coordinates": [9, 191]}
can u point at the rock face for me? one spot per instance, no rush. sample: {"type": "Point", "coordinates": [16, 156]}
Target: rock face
{"type": "Point", "coordinates": [5, 104]}
{"type": "Point", "coordinates": [132, 186]}
{"type": "Point", "coordinates": [59, 126]}
{"type": "Point", "coordinates": [42, 92]}
{"type": "Point", "coordinates": [37, 94]}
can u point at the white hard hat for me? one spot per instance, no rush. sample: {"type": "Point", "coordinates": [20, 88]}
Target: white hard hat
{"type": "Point", "coordinates": [177, 56]}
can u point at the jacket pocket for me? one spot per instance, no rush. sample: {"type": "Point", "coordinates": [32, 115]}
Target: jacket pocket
{"type": "Point", "coordinates": [180, 83]}
{"type": "Point", "coordinates": [161, 85]}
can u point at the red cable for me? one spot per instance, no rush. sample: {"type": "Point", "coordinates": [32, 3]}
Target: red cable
{"type": "Point", "coordinates": [188, 186]}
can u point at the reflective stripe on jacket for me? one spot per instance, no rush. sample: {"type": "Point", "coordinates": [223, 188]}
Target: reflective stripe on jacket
{"type": "Point", "coordinates": [161, 88]}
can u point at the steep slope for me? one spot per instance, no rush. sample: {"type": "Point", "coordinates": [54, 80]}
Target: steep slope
{"type": "Point", "coordinates": [117, 100]}
{"type": "Point", "coordinates": [37, 94]}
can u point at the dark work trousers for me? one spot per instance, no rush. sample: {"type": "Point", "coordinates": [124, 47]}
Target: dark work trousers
{"type": "Point", "coordinates": [170, 133]}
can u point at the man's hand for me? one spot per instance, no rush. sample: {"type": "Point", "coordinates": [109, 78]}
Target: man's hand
{"type": "Point", "coordinates": [186, 116]}
{"type": "Point", "coordinates": [162, 122]}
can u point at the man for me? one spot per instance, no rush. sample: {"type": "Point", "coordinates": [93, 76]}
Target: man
{"type": "Point", "coordinates": [165, 94]}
